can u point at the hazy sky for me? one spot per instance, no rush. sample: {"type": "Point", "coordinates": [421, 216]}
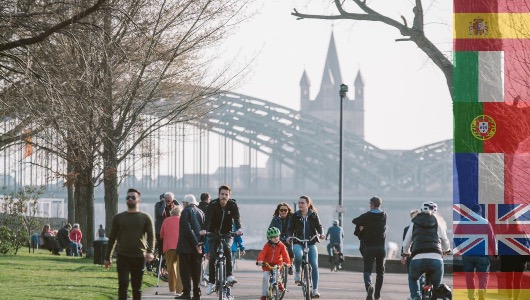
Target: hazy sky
{"type": "Point", "coordinates": [407, 102]}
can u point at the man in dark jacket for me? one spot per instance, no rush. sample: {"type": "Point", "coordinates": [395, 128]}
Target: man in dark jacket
{"type": "Point", "coordinates": [205, 200]}
{"type": "Point", "coordinates": [189, 248]}
{"type": "Point", "coordinates": [373, 226]}
{"type": "Point", "coordinates": [221, 216]}
{"type": "Point", "coordinates": [162, 211]}
{"type": "Point", "coordinates": [63, 237]}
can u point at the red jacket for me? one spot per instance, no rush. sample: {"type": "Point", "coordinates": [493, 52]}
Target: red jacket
{"type": "Point", "coordinates": [274, 255]}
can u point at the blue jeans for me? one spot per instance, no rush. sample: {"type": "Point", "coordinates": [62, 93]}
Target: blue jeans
{"type": "Point", "coordinates": [375, 254]}
{"type": "Point", "coordinates": [330, 247]}
{"type": "Point", "coordinates": [480, 264]}
{"type": "Point", "coordinates": [313, 261]}
{"type": "Point", "coordinates": [434, 268]}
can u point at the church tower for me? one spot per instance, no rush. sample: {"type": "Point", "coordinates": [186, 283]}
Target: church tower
{"type": "Point", "coordinates": [326, 105]}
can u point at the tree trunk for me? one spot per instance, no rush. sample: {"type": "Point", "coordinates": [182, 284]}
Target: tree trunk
{"type": "Point", "coordinates": [70, 189]}
{"type": "Point", "coordinates": [110, 181]}
{"type": "Point", "coordinates": [84, 196]}
{"type": "Point", "coordinates": [110, 150]}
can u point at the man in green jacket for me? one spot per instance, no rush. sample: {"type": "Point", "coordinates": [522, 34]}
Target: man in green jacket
{"type": "Point", "coordinates": [134, 232]}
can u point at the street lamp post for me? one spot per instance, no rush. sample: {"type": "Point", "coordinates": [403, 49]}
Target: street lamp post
{"type": "Point", "coordinates": [342, 94]}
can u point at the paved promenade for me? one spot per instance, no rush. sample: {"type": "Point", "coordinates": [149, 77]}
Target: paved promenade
{"type": "Point", "coordinates": [332, 285]}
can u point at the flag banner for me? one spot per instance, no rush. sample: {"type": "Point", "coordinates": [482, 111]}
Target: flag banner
{"type": "Point", "coordinates": [490, 6]}
{"type": "Point", "coordinates": [499, 229]}
{"type": "Point", "coordinates": [500, 285]}
{"type": "Point", "coordinates": [27, 149]}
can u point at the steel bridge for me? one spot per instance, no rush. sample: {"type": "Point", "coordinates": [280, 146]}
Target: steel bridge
{"type": "Point", "coordinates": [310, 147]}
{"type": "Point", "coordinates": [291, 140]}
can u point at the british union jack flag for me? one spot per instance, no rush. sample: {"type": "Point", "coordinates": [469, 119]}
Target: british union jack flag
{"type": "Point", "coordinates": [501, 229]}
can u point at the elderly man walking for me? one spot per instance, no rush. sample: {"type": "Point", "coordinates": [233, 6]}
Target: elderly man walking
{"type": "Point", "coordinates": [189, 248]}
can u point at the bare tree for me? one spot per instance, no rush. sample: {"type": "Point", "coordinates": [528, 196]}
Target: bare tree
{"type": "Point", "coordinates": [125, 72]}
{"type": "Point", "coordinates": [156, 73]}
{"type": "Point", "coordinates": [23, 24]}
{"type": "Point", "coordinates": [413, 32]}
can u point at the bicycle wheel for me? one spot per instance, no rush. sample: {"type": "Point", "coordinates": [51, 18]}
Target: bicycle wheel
{"type": "Point", "coordinates": [307, 283]}
{"type": "Point", "coordinates": [275, 292]}
{"type": "Point", "coordinates": [220, 278]}
{"type": "Point", "coordinates": [284, 282]}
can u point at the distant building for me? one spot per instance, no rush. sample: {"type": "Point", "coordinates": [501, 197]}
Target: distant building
{"type": "Point", "coordinates": [326, 105]}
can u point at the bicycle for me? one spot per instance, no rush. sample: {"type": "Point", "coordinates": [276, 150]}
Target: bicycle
{"type": "Point", "coordinates": [305, 274]}
{"type": "Point", "coordinates": [222, 287]}
{"type": "Point", "coordinates": [335, 259]}
{"type": "Point", "coordinates": [427, 291]}
{"type": "Point", "coordinates": [274, 292]}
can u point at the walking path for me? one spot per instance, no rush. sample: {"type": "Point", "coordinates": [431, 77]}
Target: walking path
{"type": "Point", "coordinates": [332, 285]}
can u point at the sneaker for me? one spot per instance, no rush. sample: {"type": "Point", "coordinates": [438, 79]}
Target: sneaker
{"type": "Point", "coordinates": [290, 270]}
{"type": "Point", "coordinates": [210, 289]}
{"type": "Point", "coordinates": [315, 294]}
{"type": "Point", "coordinates": [281, 287]}
{"type": "Point", "coordinates": [297, 277]}
{"type": "Point", "coordinates": [370, 293]}
{"type": "Point", "coordinates": [231, 279]}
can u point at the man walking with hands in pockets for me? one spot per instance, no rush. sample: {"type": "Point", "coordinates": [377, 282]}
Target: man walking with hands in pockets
{"type": "Point", "coordinates": [372, 224]}
{"type": "Point", "coordinates": [134, 232]}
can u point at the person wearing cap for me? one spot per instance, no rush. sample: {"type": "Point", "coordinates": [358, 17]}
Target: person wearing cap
{"type": "Point", "coordinates": [335, 235]}
{"type": "Point", "coordinates": [189, 248]}
{"type": "Point", "coordinates": [426, 242]}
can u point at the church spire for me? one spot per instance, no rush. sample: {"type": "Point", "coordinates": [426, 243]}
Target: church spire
{"type": "Point", "coordinates": [331, 76]}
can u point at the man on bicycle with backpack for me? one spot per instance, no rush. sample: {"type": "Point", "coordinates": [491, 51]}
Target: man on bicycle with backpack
{"type": "Point", "coordinates": [221, 215]}
{"type": "Point", "coordinates": [335, 235]}
{"type": "Point", "coordinates": [428, 237]}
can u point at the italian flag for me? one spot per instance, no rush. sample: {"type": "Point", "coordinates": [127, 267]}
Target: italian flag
{"type": "Point", "coordinates": [491, 101]}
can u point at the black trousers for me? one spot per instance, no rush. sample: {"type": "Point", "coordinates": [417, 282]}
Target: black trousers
{"type": "Point", "coordinates": [190, 269]}
{"type": "Point", "coordinates": [133, 266]}
{"type": "Point", "coordinates": [212, 249]}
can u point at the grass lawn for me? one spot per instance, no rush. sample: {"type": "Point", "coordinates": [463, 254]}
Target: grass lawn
{"type": "Point", "coordinates": [41, 275]}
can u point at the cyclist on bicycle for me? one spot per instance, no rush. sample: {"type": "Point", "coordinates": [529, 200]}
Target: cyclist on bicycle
{"type": "Point", "coordinates": [335, 235]}
{"type": "Point", "coordinates": [280, 219]}
{"type": "Point", "coordinates": [305, 224]}
{"type": "Point", "coordinates": [274, 253]}
{"type": "Point", "coordinates": [221, 215]}
{"type": "Point", "coordinates": [429, 242]}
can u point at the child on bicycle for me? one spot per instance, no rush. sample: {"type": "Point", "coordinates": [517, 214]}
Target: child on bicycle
{"type": "Point", "coordinates": [274, 253]}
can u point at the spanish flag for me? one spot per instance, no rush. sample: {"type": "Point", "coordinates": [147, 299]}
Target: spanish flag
{"type": "Point", "coordinates": [491, 108]}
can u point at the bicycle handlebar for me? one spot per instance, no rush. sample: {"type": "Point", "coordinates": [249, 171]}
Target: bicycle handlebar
{"type": "Point", "coordinates": [266, 264]}
{"type": "Point", "coordinates": [307, 240]}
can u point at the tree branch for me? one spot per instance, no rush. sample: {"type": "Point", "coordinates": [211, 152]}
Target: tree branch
{"type": "Point", "coordinates": [40, 37]}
